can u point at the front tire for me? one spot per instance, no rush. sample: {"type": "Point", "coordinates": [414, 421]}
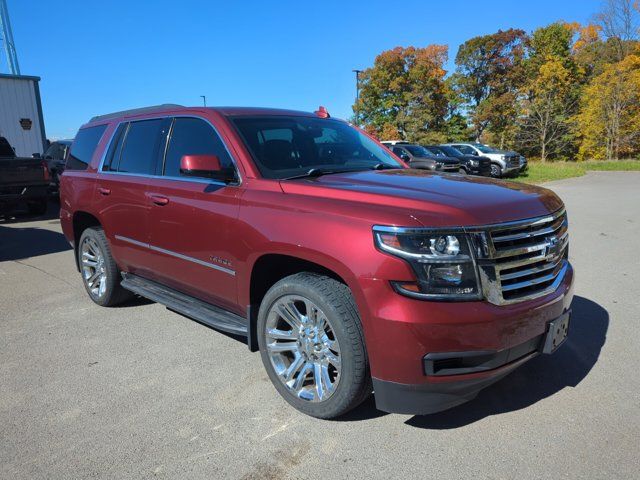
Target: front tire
{"type": "Point", "coordinates": [312, 345]}
{"type": "Point", "coordinates": [496, 171]}
{"type": "Point", "coordinates": [100, 274]}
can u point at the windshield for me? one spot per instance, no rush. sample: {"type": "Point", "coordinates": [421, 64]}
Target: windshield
{"type": "Point", "coordinates": [287, 146]}
{"type": "Point", "coordinates": [418, 151]}
{"type": "Point", "coordinates": [451, 151]}
{"type": "Point", "coordinates": [484, 148]}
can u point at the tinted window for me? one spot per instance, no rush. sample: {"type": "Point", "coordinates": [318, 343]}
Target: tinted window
{"type": "Point", "coordinates": [418, 151]}
{"type": "Point", "coordinates": [55, 151]}
{"type": "Point", "coordinates": [398, 151]}
{"type": "Point", "coordinates": [286, 146]}
{"type": "Point", "coordinates": [83, 147]}
{"type": "Point", "coordinates": [193, 136]}
{"type": "Point", "coordinates": [465, 149]}
{"type": "Point", "coordinates": [115, 148]}
{"type": "Point", "coordinates": [5, 148]}
{"type": "Point", "coordinates": [141, 146]}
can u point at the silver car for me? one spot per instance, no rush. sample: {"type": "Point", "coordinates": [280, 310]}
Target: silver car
{"type": "Point", "coordinates": [503, 162]}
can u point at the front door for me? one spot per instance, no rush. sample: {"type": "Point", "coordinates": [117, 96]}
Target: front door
{"type": "Point", "coordinates": [192, 219]}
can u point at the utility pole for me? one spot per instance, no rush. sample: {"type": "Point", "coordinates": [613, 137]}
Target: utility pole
{"type": "Point", "coordinates": [204, 99]}
{"type": "Point", "coordinates": [357, 112]}
{"type": "Point", "coordinates": [7, 36]}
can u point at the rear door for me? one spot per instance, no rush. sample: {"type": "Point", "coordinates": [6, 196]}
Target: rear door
{"type": "Point", "coordinates": [121, 191]}
{"type": "Point", "coordinates": [194, 220]}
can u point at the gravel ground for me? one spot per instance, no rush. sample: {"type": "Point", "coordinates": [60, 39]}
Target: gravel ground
{"type": "Point", "coordinates": [140, 392]}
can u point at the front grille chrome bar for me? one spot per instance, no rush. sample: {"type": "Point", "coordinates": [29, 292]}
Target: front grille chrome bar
{"type": "Point", "coordinates": [525, 259]}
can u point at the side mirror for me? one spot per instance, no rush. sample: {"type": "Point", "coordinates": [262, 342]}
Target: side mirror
{"type": "Point", "coordinates": [405, 157]}
{"type": "Point", "coordinates": [36, 155]}
{"type": "Point", "coordinates": [207, 166]}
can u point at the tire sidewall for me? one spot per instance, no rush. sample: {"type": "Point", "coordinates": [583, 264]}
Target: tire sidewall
{"type": "Point", "coordinates": [339, 400]}
{"type": "Point", "coordinates": [97, 235]}
{"type": "Point", "coordinates": [496, 171]}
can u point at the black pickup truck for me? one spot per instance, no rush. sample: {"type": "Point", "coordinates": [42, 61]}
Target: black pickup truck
{"type": "Point", "coordinates": [23, 181]}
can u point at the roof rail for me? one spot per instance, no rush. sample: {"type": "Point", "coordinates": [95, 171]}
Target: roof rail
{"type": "Point", "coordinates": [135, 111]}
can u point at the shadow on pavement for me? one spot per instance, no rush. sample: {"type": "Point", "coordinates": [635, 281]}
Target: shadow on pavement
{"type": "Point", "coordinates": [22, 216]}
{"type": "Point", "coordinates": [18, 243]}
{"type": "Point", "coordinates": [540, 378]}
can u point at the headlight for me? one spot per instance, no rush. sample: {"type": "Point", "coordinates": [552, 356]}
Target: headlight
{"type": "Point", "coordinates": [438, 164]}
{"type": "Point", "coordinates": [475, 163]}
{"type": "Point", "coordinates": [441, 260]}
{"type": "Point", "coordinates": [503, 157]}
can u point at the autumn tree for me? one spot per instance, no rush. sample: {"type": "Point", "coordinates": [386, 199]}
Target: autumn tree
{"type": "Point", "coordinates": [549, 96]}
{"type": "Point", "coordinates": [404, 94]}
{"type": "Point", "coordinates": [488, 75]}
{"type": "Point", "coordinates": [609, 121]}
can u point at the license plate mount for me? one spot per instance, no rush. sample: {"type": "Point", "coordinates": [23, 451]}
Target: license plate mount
{"type": "Point", "coordinates": [556, 333]}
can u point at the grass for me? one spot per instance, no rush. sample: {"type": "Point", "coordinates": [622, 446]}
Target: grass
{"type": "Point", "coordinates": [545, 172]}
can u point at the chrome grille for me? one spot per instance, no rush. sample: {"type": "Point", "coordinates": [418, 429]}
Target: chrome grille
{"type": "Point", "coordinates": [525, 259]}
{"type": "Point", "coordinates": [514, 161]}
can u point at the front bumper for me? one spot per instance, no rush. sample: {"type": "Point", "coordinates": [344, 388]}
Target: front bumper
{"type": "Point", "coordinates": [402, 331]}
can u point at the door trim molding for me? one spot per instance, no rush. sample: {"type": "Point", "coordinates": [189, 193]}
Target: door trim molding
{"type": "Point", "coordinates": [175, 254]}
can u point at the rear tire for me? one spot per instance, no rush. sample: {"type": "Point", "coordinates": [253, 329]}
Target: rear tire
{"type": "Point", "coordinates": [312, 345]}
{"type": "Point", "coordinates": [100, 274]}
{"type": "Point", "coordinates": [496, 171]}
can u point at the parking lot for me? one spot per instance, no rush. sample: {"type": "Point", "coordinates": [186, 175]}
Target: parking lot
{"type": "Point", "coordinates": [141, 392]}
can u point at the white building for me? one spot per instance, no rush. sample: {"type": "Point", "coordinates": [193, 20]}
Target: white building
{"type": "Point", "coordinates": [21, 120]}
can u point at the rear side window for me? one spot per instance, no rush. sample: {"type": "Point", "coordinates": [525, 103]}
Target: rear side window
{"type": "Point", "coordinates": [112, 157]}
{"type": "Point", "coordinates": [83, 147]}
{"type": "Point", "coordinates": [193, 136]}
{"type": "Point", "coordinates": [141, 146]}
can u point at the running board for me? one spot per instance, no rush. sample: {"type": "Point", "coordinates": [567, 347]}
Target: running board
{"type": "Point", "coordinates": [187, 305]}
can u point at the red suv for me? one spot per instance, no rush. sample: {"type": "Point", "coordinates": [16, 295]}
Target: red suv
{"type": "Point", "coordinates": [348, 271]}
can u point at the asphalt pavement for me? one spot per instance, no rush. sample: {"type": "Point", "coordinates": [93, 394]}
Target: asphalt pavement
{"type": "Point", "coordinates": [141, 392]}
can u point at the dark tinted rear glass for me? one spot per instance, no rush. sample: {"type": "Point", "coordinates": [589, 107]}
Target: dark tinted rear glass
{"type": "Point", "coordinates": [115, 148]}
{"type": "Point", "coordinates": [83, 147]}
{"type": "Point", "coordinates": [5, 148]}
{"type": "Point", "coordinates": [140, 149]}
{"type": "Point", "coordinates": [193, 136]}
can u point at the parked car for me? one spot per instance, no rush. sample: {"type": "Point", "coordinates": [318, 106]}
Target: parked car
{"type": "Point", "coordinates": [419, 157]}
{"type": "Point", "coordinates": [469, 164]}
{"type": "Point", "coordinates": [56, 158]}
{"type": "Point", "coordinates": [503, 163]}
{"type": "Point", "coordinates": [523, 163]}
{"type": "Point", "coordinates": [23, 181]}
{"type": "Point", "coordinates": [348, 272]}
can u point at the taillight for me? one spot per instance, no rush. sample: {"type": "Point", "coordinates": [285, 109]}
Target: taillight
{"type": "Point", "coordinates": [46, 171]}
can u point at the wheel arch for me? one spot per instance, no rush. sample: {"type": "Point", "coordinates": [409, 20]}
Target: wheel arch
{"type": "Point", "coordinates": [269, 268]}
{"type": "Point", "coordinates": [81, 221]}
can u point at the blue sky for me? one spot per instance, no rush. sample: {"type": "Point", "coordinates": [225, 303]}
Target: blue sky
{"type": "Point", "coordinates": [96, 57]}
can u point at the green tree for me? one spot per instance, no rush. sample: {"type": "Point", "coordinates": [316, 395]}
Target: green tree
{"type": "Point", "coordinates": [488, 75]}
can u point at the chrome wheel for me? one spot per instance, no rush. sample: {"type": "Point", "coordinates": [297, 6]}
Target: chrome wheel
{"type": "Point", "coordinates": [94, 271]}
{"type": "Point", "coordinates": [302, 347]}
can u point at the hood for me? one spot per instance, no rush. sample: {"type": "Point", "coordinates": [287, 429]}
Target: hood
{"type": "Point", "coordinates": [431, 198]}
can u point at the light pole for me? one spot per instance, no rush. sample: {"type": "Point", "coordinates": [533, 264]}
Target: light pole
{"type": "Point", "coordinates": [357, 72]}
{"type": "Point", "coordinates": [204, 99]}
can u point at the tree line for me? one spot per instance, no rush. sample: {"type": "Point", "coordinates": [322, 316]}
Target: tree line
{"type": "Point", "coordinates": [562, 92]}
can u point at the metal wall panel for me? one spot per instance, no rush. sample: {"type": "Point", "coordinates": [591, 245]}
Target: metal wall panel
{"type": "Point", "coordinates": [19, 99]}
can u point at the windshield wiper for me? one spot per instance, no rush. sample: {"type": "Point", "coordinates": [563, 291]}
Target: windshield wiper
{"type": "Point", "coordinates": [382, 166]}
{"type": "Point", "coordinates": [318, 172]}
